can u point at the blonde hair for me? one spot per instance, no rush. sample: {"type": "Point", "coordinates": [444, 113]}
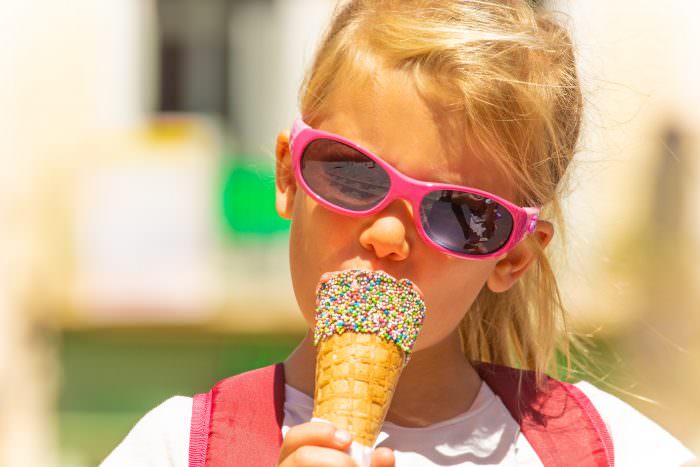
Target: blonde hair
{"type": "Point", "coordinates": [503, 75]}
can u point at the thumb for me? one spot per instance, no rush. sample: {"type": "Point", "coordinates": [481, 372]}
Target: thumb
{"type": "Point", "coordinates": [382, 457]}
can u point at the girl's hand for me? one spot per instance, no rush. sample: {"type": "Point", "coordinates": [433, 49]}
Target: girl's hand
{"type": "Point", "coordinates": [382, 457]}
{"type": "Point", "coordinates": [320, 444]}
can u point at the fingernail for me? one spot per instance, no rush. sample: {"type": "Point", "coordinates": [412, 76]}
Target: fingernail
{"type": "Point", "coordinates": [342, 436]}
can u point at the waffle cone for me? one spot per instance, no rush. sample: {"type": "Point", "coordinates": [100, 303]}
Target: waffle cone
{"type": "Point", "coordinates": [356, 375]}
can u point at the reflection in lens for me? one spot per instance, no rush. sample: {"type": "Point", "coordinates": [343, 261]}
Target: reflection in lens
{"type": "Point", "coordinates": [343, 175]}
{"type": "Point", "coordinates": [465, 222]}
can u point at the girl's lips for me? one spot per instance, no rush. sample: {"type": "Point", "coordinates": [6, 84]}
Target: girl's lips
{"type": "Point", "coordinates": [327, 275]}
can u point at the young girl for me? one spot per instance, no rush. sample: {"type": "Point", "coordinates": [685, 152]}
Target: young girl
{"type": "Point", "coordinates": [482, 96]}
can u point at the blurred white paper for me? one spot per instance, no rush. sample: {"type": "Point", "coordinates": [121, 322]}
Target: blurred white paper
{"type": "Point", "coordinates": [144, 241]}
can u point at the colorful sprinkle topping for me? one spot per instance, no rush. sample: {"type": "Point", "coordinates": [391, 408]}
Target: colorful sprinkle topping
{"type": "Point", "coordinates": [370, 302]}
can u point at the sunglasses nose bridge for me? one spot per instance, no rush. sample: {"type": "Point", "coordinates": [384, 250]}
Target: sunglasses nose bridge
{"type": "Point", "coordinates": [406, 191]}
{"type": "Point", "coordinates": [401, 187]}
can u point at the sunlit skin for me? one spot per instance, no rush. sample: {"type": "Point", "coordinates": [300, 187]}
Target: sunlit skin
{"type": "Point", "coordinates": [392, 120]}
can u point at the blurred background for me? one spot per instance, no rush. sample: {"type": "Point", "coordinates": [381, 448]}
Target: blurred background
{"type": "Point", "coordinates": [141, 255]}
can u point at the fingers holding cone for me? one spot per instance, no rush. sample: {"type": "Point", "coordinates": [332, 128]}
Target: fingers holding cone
{"type": "Point", "coordinates": [366, 325]}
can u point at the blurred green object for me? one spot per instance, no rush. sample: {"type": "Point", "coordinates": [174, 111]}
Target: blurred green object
{"type": "Point", "coordinates": [248, 198]}
{"type": "Point", "coordinates": [112, 377]}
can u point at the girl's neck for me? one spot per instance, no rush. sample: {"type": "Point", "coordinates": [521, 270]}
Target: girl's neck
{"type": "Point", "coordinates": [437, 384]}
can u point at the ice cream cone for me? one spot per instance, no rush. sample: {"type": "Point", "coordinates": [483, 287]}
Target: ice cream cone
{"type": "Point", "coordinates": [356, 375]}
{"type": "Point", "coordinates": [366, 324]}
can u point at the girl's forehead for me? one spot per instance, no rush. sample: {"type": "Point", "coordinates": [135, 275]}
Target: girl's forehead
{"type": "Point", "coordinates": [388, 117]}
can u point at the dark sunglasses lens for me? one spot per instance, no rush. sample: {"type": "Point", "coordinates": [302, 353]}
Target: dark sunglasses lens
{"type": "Point", "coordinates": [464, 222]}
{"type": "Point", "coordinates": [343, 176]}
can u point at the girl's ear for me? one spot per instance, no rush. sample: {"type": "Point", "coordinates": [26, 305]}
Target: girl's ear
{"type": "Point", "coordinates": [284, 177]}
{"type": "Point", "coordinates": [513, 264]}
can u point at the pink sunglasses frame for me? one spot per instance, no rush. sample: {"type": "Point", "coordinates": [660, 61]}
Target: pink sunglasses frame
{"type": "Point", "coordinates": [410, 189]}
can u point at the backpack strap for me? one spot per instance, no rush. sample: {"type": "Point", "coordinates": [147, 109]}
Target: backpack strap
{"type": "Point", "coordinates": [240, 419]}
{"type": "Point", "coordinates": [559, 422]}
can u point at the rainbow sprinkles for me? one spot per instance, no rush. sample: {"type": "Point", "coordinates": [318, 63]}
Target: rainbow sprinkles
{"type": "Point", "coordinates": [370, 302]}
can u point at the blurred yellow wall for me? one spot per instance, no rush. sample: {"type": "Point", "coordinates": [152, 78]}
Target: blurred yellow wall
{"type": "Point", "coordinates": [632, 272]}
{"type": "Point", "coordinates": [67, 72]}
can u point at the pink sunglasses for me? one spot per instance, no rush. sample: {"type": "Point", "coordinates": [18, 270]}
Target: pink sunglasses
{"type": "Point", "coordinates": [457, 220]}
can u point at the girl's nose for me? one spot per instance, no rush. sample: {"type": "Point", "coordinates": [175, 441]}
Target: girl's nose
{"type": "Point", "coordinates": [386, 236]}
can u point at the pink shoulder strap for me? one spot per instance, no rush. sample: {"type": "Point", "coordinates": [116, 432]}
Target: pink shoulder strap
{"type": "Point", "coordinates": [239, 422]}
{"type": "Point", "coordinates": [199, 429]}
{"type": "Point", "coordinates": [559, 422]}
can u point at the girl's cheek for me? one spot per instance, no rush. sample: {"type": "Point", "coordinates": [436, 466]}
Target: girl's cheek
{"type": "Point", "coordinates": [434, 330]}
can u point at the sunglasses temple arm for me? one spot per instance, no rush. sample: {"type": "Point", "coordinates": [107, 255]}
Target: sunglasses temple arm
{"type": "Point", "coordinates": [531, 222]}
{"type": "Point", "coordinates": [297, 127]}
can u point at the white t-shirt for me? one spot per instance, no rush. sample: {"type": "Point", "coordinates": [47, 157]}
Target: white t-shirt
{"type": "Point", "coordinates": [484, 435]}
